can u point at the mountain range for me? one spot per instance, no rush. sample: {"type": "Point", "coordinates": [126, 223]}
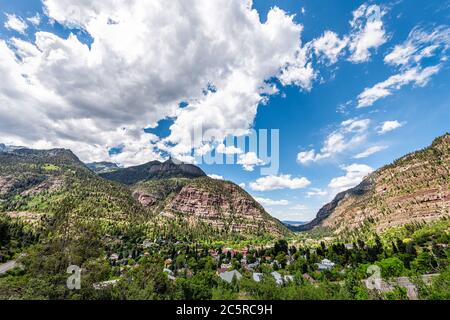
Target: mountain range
{"type": "Point", "coordinates": [413, 189]}
{"type": "Point", "coordinates": [176, 198]}
{"type": "Point", "coordinates": [164, 197]}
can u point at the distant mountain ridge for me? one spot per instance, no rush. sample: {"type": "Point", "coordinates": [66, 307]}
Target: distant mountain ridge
{"type": "Point", "coordinates": [415, 188]}
{"type": "Point", "coordinates": [154, 170]}
{"type": "Point", "coordinates": [102, 167]}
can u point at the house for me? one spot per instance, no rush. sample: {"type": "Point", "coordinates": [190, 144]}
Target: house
{"type": "Point", "coordinates": [228, 276]}
{"type": "Point", "coordinates": [168, 263]}
{"type": "Point", "coordinates": [278, 278]}
{"type": "Point", "coordinates": [349, 246]}
{"type": "Point", "coordinates": [215, 255]}
{"type": "Point", "coordinates": [257, 277]}
{"type": "Point", "coordinates": [326, 264]}
{"type": "Point", "coordinates": [252, 266]}
{"type": "Point", "coordinates": [114, 257]}
{"type": "Point", "coordinates": [308, 278]}
{"type": "Point", "coordinates": [169, 274]}
{"type": "Point", "coordinates": [288, 278]}
{"type": "Point", "coordinates": [168, 271]}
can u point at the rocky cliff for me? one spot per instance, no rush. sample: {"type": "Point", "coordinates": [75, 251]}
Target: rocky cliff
{"type": "Point", "coordinates": [415, 188]}
{"type": "Point", "coordinates": [221, 205]}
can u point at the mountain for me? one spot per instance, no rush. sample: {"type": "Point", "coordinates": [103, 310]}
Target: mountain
{"type": "Point", "coordinates": [40, 183]}
{"type": "Point", "coordinates": [154, 170]}
{"type": "Point", "coordinates": [221, 206]}
{"type": "Point", "coordinates": [160, 199]}
{"type": "Point", "coordinates": [7, 149]}
{"type": "Point", "coordinates": [414, 189]}
{"type": "Point", "coordinates": [103, 167]}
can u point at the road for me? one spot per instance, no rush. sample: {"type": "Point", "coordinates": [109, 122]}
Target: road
{"type": "Point", "coordinates": [5, 267]}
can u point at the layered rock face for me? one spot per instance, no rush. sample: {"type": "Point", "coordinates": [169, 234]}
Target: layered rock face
{"type": "Point", "coordinates": [415, 188]}
{"type": "Point", "coordinates": [220, 204]}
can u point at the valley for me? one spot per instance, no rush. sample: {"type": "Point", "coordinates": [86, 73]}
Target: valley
{"type": "Point", "coordinates": [164, 230]}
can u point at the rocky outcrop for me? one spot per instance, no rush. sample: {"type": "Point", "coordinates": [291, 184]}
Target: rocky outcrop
{"type": "Point", "coordinates": [219, 204]}
{"type": "Point", "coordinates": [415, 188]}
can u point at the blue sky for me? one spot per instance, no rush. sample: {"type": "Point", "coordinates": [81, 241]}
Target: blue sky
{"type": "Point", "coordinates": [332, 108]}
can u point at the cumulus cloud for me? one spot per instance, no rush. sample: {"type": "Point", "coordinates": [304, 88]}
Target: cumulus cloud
{"type": "Point", "coordinates": [367, 33]}
{"type": "Point", "coordinates": [35, 20]}
{"type": "Point", "coordinates": [370, 151]}
{"type": "Point", "coordinates": [351, 133]}
{"type": "Point", "coordinates": [271, 202]}
{"type": "Point", "coordinates": [270, 183]}
{"type": "Point", "coordinates": [329, 46]}
{"type": "Point", "coordinates": [389, 126]}
{"type": "Point", "coordinates": [145, 59]}
{"type": "Point", "coordinates": [354, 175]}
{"type": "Point", "coordinates": [249, 161]}
{"type": "Point", "coordinates": [299, 71]}
{"type": "Point", "coordinates": [15, 23]}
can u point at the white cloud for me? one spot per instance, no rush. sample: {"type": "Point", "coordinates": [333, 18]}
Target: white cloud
{"type": "Point", "coordinates": [316, 192]}
{"type": "Point", "coordinates": [215, 176]}
{"type": "Point", "coordinates": [408, 57]}
{"type": "Point", "coordinates": [242, 185]}
{"type": "Point", "coordinates": [299, 207]}
{"type": "Point", "coordinates": [271, 202]}
{"type": "Point", "coordinates": [270, 183]}
{"type": "Point", "coordinates": [389, 126]}
{"type": "Point", "coordinates": [296, 212]}
{"type": "Point", "coordinates": [138, 70]}
{"type": "Point", "coordinates": [299, 71]}
{"type": "Point", "coordinates": [15, 23]}
{"type": "Point", "coordinates": [354, 175]}
{"type": "Point", "coordinates": [329, 46]}
{"type": "Point", "coordinates": [249, 161]}
{"type": "Point", "coordinates": [420, 45]}
{"type": "Point", "coordinates": [367, 32]}
{"type": "Point", "coordinates": [370, 151]}
{"type": "Point", "coordinates": [35, 20]}
{"type": "Point", "coordinates": [228, 150]}
{"type": "Point", "coordinates": [351, 133]}
{"type": "Point", "coordinates": [417, 76]}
